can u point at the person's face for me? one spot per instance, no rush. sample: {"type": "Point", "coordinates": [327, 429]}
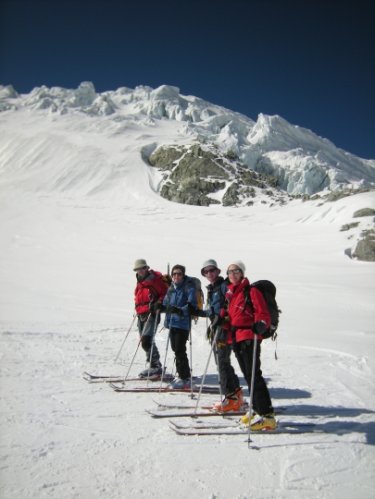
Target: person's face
{"type": "Point", "coordinates": [234, 274]}
{"type": "Point", "coordinates": [142, 271]}
{"type": "Point", "coordinates": [211, 273]}
{"type": "Point", "coordinates": [177, 276]}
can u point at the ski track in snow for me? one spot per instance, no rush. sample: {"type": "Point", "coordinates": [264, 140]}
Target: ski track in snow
{"type": "Point", "coordinates": [67, 438]}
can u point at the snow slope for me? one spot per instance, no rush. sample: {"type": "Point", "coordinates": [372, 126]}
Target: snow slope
{"type": "Point", "coordinates": [301, 161]}
{"type": "Point", "coordinates": [77, 207]}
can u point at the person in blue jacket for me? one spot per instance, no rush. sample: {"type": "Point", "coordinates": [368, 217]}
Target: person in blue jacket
{"type": "Point", "coordinates": [180, 297]}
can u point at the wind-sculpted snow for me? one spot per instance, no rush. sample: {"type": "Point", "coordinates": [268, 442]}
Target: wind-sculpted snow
{"type": "Point", "coordinates": [301, 161]}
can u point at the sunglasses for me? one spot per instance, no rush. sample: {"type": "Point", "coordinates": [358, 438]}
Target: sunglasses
{"type": "Point", "coordinates": [213, 269]}
{"type": "Point", "coordinates": [234, 271]}
{"type": "Point", "coordinates": [177, 273]}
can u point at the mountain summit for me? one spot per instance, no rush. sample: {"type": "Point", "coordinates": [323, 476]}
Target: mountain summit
{"type": "Point", "coordinates": [231, 154]}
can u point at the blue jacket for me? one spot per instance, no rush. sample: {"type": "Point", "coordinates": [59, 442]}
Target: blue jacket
{"type": "Point", "coordinates": [216, 296]}
{"type": "Point", "coordinates": [179, 296]}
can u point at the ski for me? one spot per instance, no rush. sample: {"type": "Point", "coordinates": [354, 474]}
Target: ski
{"type": "Point", "coordinates": [166, 407]}
{"type": "Point", "coordinates": [191, 413]}
{"type": "Point", "coordinates": [161, 406]}
{"type": "Point", "coordinates": [283, 427]}
{"type": "Point", "coordinates": [226, 423]}
{"type": "Point", "coordinates": [161, 389]}
{"type": "Point", "coordinates": [206, 425]}
{"type": "Point", "coordinates": [96, 378]}
{"type": "Point", "coordinates": [186, 411]}
{"type": "Point", "coordinates": [93, 378]}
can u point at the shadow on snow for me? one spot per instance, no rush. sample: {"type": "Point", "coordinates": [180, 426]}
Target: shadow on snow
{"type": "Point", "coordinates": [311, 411]}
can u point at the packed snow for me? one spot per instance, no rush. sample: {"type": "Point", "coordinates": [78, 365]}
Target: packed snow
{"type": "Point", "coordinates": [78, 206]}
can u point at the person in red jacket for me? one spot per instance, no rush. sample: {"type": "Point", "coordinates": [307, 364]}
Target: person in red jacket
{"type": "Point", "coordinates": [248, 315]}
{"type": "Point", "coordinates": [148, 295]}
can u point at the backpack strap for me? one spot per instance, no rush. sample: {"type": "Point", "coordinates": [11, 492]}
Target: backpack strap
{"type": "Point", "coordinates": [188, 285]}
{"type": "Point", "coordinates": [169, 291]}
{"type": "Point", "coordinates": [246, 292]}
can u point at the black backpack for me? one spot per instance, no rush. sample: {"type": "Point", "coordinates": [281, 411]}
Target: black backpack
{"type": "Point", "coordinates": [268, 290]}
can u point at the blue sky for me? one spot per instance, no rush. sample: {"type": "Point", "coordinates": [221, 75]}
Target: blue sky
{"type": "Point", "coordinates": [310, 61]}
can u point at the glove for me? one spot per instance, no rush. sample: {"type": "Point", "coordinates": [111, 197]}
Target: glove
{"type": "Point", "coordinates": [221, 337]}
{"type": "Point", "coordinates": [175, 310]}
{"type": "Point", "coordinates": [156, 306]}
{"type": "Point", "coordinates": [216, 320]}
{"type": "Point", "coordinates": [195, 311]}
{"type": "Point", "coordinates": [210, 334]}
{"type": "Point", "coordinates": [259, 327]}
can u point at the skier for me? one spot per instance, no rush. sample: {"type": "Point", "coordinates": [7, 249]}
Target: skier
{"type": "Point", "coordinates": [148, 294]}
{"type": "Point", "coordinates": [178, 320]}
{"type": "Point", "coordinates": [245, 320]}
{"type": "Point", "coordinates": [230, 386]}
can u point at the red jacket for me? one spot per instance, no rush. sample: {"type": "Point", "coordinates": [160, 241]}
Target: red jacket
{"type": "Point", "coordinates": [151, 289]}
{"type": "Point", "coordinates": [240, 313]}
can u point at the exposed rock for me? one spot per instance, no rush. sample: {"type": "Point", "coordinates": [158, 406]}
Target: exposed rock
{"type": "Point", "coordinates": [198, 163]}
{"type": "Point", "coordinates": [342, 193]}
{"type": "Point", "coordinates": [231, 197]}
{"type": "Point", "coordinates": [191, 191]}
{"type": "Point", "coordinates": [365, 249]}
{"type": "Point", "coordinates": [364, 212]}
{"type": "Point", "coordinates": [165, 157]}
{"type": "Point", "coordinates": [231, 155]}
{"type": "Point", "coordinates": [192, 173]}
{"type": "Point", "coordinates": [349, 226]}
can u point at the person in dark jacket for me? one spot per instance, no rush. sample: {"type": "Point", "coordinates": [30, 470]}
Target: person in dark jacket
{"type": "Point", "coordinates": [180, 296]}
{"type": "Point", "coordinates": [229, 382]}
{"type": "Point", "coordinates": [248, 315]}
{"type": "Point", "coordinates": [148, 295]}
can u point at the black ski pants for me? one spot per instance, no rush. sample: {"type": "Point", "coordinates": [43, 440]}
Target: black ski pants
{"type": "Point", "coordinates": [229, 381]}
{"type": "Point", "coordinates": [244, 353]}
{"type": "Point", "coordinates": [178, 338]}
{"type": "Point", "coordinates": [147, 325]}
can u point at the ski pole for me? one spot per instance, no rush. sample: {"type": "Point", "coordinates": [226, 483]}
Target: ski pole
{"type": "Point", "coordinates": [205, 370]}
{"type": "Point", "coordinates": [132, 361]}
{"type": "Point", "coordinates": [165, 360]}
{"type": "Point", "coordinates": [126, 336]}
{"type": "Point", "coordinates": [191, 364]}
{"type": "Point", "coordinates": [136, 350]}
{"type": "Point", "coordinates": [216, 357]}
{"type": "Point", "coordinates": [251, 398]}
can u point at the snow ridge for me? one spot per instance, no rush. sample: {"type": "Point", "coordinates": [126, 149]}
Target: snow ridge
{"type": "Point", "coordinates": [301, 161]}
